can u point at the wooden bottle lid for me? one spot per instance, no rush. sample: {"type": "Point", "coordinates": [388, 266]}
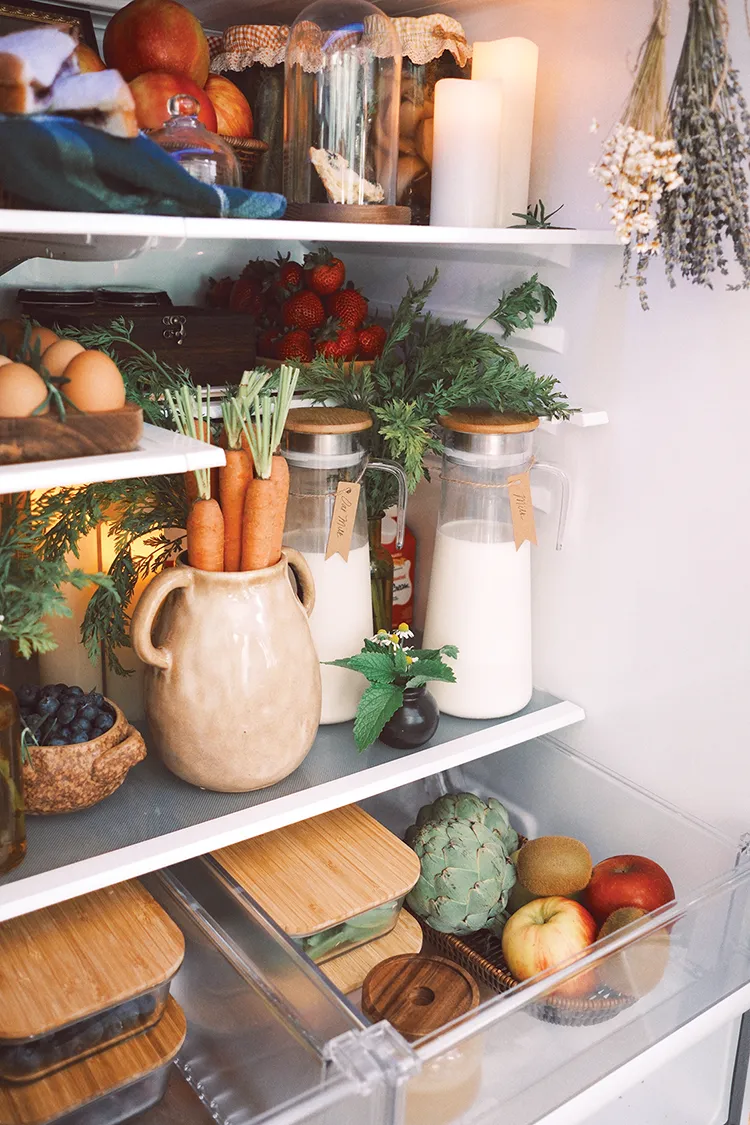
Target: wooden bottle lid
{"type": "Point", "coordinates": [418, 993]}
{"type": "Point", "coordinates": [474, 420]}
{"type": "Point", "coordinates": [77, 1085]}
{"type": "Point", "coordinates": [348, 970]}
{"type": "Point", "coordinates": [320, 872]}
{"type": "Point", "coordinates": [69, 961]}
{"type": "Point", "coordinates": [327, 420]}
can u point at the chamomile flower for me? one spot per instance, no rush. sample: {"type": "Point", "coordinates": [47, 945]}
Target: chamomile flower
{"type": "Point", "coordinates": [404, 631]}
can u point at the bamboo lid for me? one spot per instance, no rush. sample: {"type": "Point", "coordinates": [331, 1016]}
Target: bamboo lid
{"type": "Point", "coordinates": [418, 994]}
{"type": "Point", "coordinates": [77, 1085]}
{"type": "Point", "coordinates": [474, 420]}
{"type": "Point", "coordinates": [76, 958]}
{"type": "Point", "coordinates": [347, 971]}
{"type": "Point", "coordinates": [327, 420]}
{"type": "Point", "coordinates": [323, 871]}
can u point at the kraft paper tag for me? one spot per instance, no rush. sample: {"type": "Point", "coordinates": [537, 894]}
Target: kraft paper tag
{"type": "Point", "coordinates": [521, 509]}
{"type": "Point", "coordinates": [342, 521]}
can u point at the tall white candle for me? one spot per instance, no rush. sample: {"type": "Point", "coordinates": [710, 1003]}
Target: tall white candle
{"type": "Point", "coordinates": [466, 153]}
{"type": "Point", "coordinates": [512, 63]}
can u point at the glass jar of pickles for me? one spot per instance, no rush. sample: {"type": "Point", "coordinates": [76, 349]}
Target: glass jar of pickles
{"type": "Point", "coordinates": [12, 824]}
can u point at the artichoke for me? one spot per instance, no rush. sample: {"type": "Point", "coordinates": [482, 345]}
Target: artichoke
{"type": "Point", "coordinates": [466, 806]}
{"type": "Point", "coordinates": [466, 876]}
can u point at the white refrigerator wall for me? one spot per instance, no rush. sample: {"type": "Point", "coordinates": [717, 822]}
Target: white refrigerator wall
{"type": "Point", "coordinates": [644, 617]}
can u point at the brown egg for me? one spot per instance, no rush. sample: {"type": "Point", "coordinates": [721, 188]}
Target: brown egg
{"type": "Point", "coordinates": [58, 356]}
{"type": "Point", "coordinates": [12, 333]}
{"type": "Point", "coordinates": [22, 390]}
{"type": "Point", "coordinates": [45, 336]}
{"type": "Point", "coordinates": [95, 383]}
{"type": "Point", "coordinates": [4, 359]}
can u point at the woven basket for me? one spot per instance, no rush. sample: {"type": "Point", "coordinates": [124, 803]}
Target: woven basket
{"type": "Point", "coordinates": [247, 150]}
{"type": "Point", "coordinates": [482, 955]}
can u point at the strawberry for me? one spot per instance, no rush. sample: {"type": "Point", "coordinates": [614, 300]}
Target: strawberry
{"type": "Point", "coordinates": [247, 296]}
{"type": "Point", "coordinates": [289, 275]}
{"type": "Point", "coordinates": [324, 273]}
{"type": "Point", "coordinates": [341, 345]}
{"type": "Point", "coordinates": [219, 292]}
{"type": "Point", "coordinates": [268, 342]}
{"type": "Point", "coordinates": [297, 344]}
{"type": "Point", "coordinates": [371, 341]}
{"type": "Point", "coordinates": [303, 310]}
{"type": "Point", "coordinates": [347, 305]}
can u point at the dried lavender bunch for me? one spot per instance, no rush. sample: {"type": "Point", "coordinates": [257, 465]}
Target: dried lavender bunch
{"type": "Point", "coordinates": [639, 157]}
{"type": "Point", "coordinates": [712, 129]}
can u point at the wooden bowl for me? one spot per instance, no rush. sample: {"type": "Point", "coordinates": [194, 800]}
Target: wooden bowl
{"type": "Point", "coordinates": [247, 150]}
{"type": "Point", "coordinates": [47, 437]}
{"type": "Point", "coordinates": [61, 779]}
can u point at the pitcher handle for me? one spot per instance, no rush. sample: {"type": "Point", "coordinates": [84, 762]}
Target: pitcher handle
{"type": "Point", "coordinates": [303, 574]}
{"type": "Point", "coordinates": [149, 604]}
{"type": "Point", "coordinates": [396, 471]}
{"type": "Point", "coordinates": [545, 467]}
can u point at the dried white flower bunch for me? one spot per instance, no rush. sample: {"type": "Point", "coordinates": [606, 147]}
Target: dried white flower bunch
{"type": "Point", "coordinates": [636, 168]}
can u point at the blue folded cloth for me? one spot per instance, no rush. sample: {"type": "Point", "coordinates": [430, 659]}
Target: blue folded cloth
{"type": "Point", "coordinates": [58, 164]}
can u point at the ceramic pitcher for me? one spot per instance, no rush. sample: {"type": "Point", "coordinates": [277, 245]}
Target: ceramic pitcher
{"type": "Point", "coordinates": [233, 681]}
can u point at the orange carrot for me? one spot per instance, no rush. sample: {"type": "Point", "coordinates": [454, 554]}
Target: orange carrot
{"type": "Point", "coordinates": [264, 515]}
{"type": "Point", "coordinates": [205, 535]}
{"type": "Point", "coordinates": [191, 489]}
{"type": "Point", "coordinates": [233, 481]}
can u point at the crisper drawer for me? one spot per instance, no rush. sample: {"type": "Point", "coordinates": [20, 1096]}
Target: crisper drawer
{"type": "Point", "coordinates": [529, 1069]}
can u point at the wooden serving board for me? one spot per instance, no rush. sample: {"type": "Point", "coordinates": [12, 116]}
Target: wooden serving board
{"type": "Point", "coordinates": [46, 438]}
{"type": "Point", "coordinates": [348, 971]}
{"type": "Point", "coordinates": [37, 1103]}
{"type": "Point", "coordinates": [321, 872]}
{"type": "Point", "coordinates": [72, 960]}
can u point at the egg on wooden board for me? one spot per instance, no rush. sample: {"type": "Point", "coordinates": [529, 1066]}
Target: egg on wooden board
{"type": "Point", "coordinates": [5, 359]}
{"type": "Point", "coordinates": [94, 383]}
{"type": "Point", "coordinates": [22, 391]}
{"type": "Point", "coordinates": [58, 356]}
{"type": "Point", "coordinates": [11, 332]}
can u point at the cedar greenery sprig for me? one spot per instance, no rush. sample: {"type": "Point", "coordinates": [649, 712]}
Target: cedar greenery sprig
{"type": "Point", "coordinates": [712, 130]}
{"type": "Point", "coordinates": [392, 666]}
{"type": "Point", "coordinates": [429, 368]}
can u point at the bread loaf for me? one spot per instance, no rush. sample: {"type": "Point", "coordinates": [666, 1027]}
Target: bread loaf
{"type": "Point", "coordinates": [101, 99]}
{"type": "Point", "coordinates": [30, 61]}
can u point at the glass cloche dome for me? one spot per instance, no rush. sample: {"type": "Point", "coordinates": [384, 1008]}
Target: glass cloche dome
{"type": "Point", "coordinates": [343, 76]}
{"type": "Point", "coordinates": [201, 153]}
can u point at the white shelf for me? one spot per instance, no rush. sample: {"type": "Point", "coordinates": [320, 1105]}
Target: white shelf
{"type": "Point", "coordinates": [83, 236]}
{"type": "Point", "coordinates": [155, 819]}
{"type": "Point", "coordinates": [160, 452]}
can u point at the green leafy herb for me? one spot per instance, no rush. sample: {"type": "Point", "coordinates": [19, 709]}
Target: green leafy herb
{"type": "Point", "coordinates": [538, 219]}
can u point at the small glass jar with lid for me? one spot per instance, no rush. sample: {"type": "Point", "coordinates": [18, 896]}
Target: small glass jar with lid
{"type": "Point", "coordinates": [201, 153]}
{"type": "Point", "coordinates": [342, 83]}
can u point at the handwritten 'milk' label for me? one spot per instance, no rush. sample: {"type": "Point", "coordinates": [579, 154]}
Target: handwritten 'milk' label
{"type": "Point", "coordinates": [342, 521]}
{"type": "Point", "coordinates": [521, 510]}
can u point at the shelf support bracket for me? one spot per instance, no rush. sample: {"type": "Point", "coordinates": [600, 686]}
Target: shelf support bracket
{"type": "Point", "coordinates": [380, 1062]}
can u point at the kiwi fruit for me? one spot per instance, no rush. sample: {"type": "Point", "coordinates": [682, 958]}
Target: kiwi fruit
{"type": "Point", "coordinates": [554, 865]}
{"type": "Point", "coordinates": [619, 918]}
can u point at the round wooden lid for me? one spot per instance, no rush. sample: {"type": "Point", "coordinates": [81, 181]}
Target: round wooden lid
{"type": "Point", "coordinates": [474, 420]}
{"type": "Point", "coordinates": [418, 994]}
{"type": "Point", "coordinates": [327, 420]}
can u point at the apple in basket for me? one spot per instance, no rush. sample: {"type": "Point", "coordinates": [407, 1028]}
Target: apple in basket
{"type": "Point", "coordinates": [161, 35]}
{"type": "Point", "coordinates": [151, 93]}
{"type": "Point", "coordinates": [543, 934]}
{"type": "Point", "coordinates": [627, 880]}
{"type": "Point", "coordinates": [233, 114]}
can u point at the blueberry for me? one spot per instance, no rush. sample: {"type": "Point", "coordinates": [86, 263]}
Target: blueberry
{"type": "Point", "coordinates": [34, 722]}
{"type": "Point", "coordinates": [96, 698]}
{"type": "Point", "coordinates": [74, 690]}
{"type": "Point", "coordinates": [90, 712]}
{"type": "Point", "coordinates": [104, 722]}
{"type": "Point", "coordinates": [80, 726]}
{"type": "Point", "coordinates": [59, 689]}
{"type": "Point", "coordinates": [58, 741]}
{"type": "Point", "coordinates": [82, 736]}
{"type": "Point", "coordinates": [66, 714]}
{"type": "Point", "coordinates": [66, 734]}
{"type": "Point", "coordinates": [48, 705]}
{"type": "Point", "coordinates": [27, 695]}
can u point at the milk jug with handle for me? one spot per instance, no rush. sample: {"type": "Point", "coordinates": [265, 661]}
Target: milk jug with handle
{"type": "Point", "coordinates": [480, 585]}
{"type": "Point", "coordinates": [325, 446]}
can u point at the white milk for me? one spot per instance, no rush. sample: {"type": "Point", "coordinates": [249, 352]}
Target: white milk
{"type": "Point", "coordinates": [342, 618]}
{"type": "Point", "coordinates": [480, 601]}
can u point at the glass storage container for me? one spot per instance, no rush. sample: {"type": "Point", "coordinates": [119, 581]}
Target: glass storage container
{"type": "Point", "coordinates": [324, 448]}
{"type": "Point", "coordinates": [433, 47]}
{"type": "Point", "coordinates": [12, 820]}
{"type": "Point", "coordinates": [480, 584]}
{"type": "Point", "coordinates": [121, 1081]}
{"type": "Point", "coordinates": [201, 153]}
{"type": "Point", "coordinates": [360, 871]}
{"type": "Point", "coordinates": [342, 77]}
{"type": "Point", "coordinates": [100, 974]}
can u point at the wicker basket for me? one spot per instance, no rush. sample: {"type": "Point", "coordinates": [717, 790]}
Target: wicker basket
{"type": "Point", "coordinates": [482, 955]}
{"type": "Point", "coordinates": [247, 150]}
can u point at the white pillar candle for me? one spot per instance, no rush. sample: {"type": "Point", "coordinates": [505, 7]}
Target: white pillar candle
{"type": "Point", "coordinates": [466, 153]}
{"type": "Point", "coordinates": [512, 63]}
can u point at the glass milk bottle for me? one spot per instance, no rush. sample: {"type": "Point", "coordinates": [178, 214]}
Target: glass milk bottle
{"type": "Point", "coordinates": [480, 586]}
{"type": "Point", "coordinates": [325, 446]}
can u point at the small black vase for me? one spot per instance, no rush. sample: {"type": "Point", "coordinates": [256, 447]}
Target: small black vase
{"type": "Point", "coordinates": [414, 723]}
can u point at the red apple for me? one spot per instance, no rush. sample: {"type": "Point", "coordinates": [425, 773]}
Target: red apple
{"type": "Point", "coordinates": [543, 934]}
{"type": "Point", "coordinates": [233, 114]}
{"type": "Point", "coordinates": [156, 35]}
{"type": "Point", "coordinates": [627, 880]}
{"type": "Point", "coordinates": [152, 92]}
